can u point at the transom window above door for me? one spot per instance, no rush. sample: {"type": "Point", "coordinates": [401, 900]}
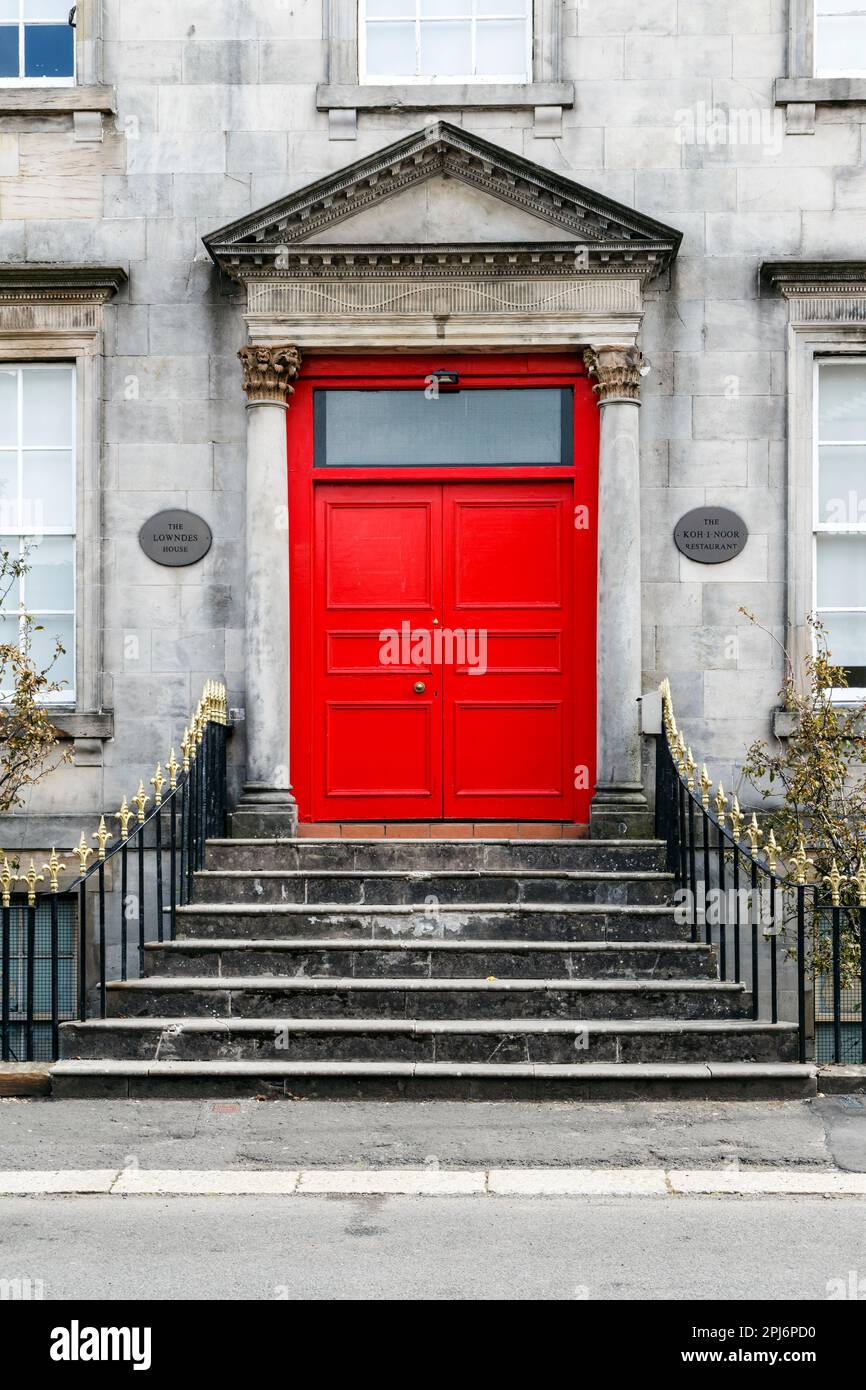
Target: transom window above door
{"type": "Point", "coordinates": [840, 38]}
{"type": "Point", "coordinates": [445, 40]}
{"type": "Point", "coordinates": [37, 43]}
{"type": "Point", "coordinates": [478, 428]}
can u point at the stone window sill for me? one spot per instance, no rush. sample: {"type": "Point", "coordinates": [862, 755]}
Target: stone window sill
{"type": "Point", "coordinates": [820, 90]}
{"type": "Point", "coordinates": [93, 724]}
{"type": "Point", "coordinates": [41, 101]}
{"type": "Point", "coordinates": [445, 97]}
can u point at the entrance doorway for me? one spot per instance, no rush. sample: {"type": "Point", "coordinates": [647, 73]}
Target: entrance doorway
{"type": "Point", "coordinates": [443, 608]}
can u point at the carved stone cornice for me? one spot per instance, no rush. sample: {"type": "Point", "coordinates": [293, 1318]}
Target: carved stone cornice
{"type": "Point", "coordinates": [52, 284]}
{"type": "Point", "coordinates": [814, 277]}
{"type": "Point", "coordinates": [269, 372]}
{"type": "Point", "coordinates": [617, 372]}
{"type": "Point", "coordinates": [611, 237]}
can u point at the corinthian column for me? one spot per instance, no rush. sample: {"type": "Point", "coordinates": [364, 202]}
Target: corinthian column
{"type": "Point", "coordinates": [267, 807]}
{"type": "Point", "coordinates": [619, 808]}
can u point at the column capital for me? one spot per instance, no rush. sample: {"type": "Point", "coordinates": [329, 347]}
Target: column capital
{"type": "Point", "coordinates": [617, 371]}
{"type": "Point", "coordinates": [269, 372]}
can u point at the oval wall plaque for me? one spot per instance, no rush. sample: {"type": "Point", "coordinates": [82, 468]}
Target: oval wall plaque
{"type": "Point", "coordinates": [176, 538]}
{"type": "Point", "coordinates": [711, 535]}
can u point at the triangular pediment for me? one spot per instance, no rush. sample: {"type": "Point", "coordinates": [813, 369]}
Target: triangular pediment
{"type": "Point", "coordinates": [440, 191]}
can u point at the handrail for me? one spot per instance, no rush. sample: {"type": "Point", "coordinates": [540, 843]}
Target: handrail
{"type": "Point", "coordinates": [752, 888]}
{"type": "Point", "coordinates": [195, 808]}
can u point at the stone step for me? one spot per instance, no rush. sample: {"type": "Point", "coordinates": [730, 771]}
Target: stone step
{"type": "Point", "coordinates": [432, 959]}
{"type": "Point", "coordinates": [468, 921]}
{"type": "Point", "coordinates": [417, 886]}
{"type": "Point", "coordinates": [557, 1041]}
{"type": "Point", "coordinates": [435, 1081]}
{"type": "Point", "coordinates": [263, 996]}
{"type": "Point", "coordinates": [373, 855]}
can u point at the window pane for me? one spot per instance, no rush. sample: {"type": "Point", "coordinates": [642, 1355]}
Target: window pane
{"type": "Point", "coordinates": [42, 650]}
{"type": "Point", "coordinates": [446, 49]}
{"type": "Point", "coordinates": [502, 7]}
{"type": "Point", "coordinates": [391, 9]}
{"type": "Point", "coordinates": [846, 640]}
{"type": "Point", "coordinates": [48, 408]}
{"type": "Point", "coordinates": [446, 9]}
{"type": "Point", "coordinates": [8, 408]}
{"type": "Point", "coordinates": [399, 429]}
{"type": "Point", "coordinates": [841, 572]}
{"type": "Point", "coordinates": [49, 50]}
{"type": "Point", "coordinates": [391, 50]}
{"type": "Point", "coordinates": [49, 491]}
{"type": "Point", "coordinates": [842, 408]}
{"type": "Point", "coordinates": [842, 485]}
{"type": "Point", "coordinates": [10, 596]}
{"type": "Point", "coordinates": [500, 48]}
{"type": "Point", "coordinates": [47, 9]}
{"type": "Point", "coordinates": [49, 582]}
{"type": "Point", "coordinates": [9, 490]}
{"type": "Point", "coordinates": [841, 45]}
{"type": "Point", "coordinates": [9, 66]}
{"type": "Point", "coordinates": [9, 9]}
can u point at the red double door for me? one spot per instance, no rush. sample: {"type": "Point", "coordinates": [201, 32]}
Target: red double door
{"type": "Point", "coordinates": [442, 651]}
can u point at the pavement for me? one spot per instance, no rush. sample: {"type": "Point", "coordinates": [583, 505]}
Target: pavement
{"type": "Point", "coordinates": [828, 1133]}
{"type": "Point", "coordinates": [435, 1248]}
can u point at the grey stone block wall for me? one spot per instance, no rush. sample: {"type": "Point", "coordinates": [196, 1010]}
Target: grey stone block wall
{"type": "Point", "coordinates": [217, 116]}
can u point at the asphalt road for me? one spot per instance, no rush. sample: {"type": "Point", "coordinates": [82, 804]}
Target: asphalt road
{"type": "Point", "coordinates": [432, 1249]}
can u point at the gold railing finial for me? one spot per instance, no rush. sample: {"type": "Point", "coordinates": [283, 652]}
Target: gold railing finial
{"type": "Point", "coordinates": [82, 852]}
{"type": "Point", "coordinates": [141, 800]}
{"type": "Point", "coordinates": [157, 782]}
{"type": "Point", "coordinates": [834, 881]}
{"type": "Point", "coordinates": [102, 836]}
{"type": "Point", "coordinates": [31, 878]}
{"type": "Point", "coordinates": [706, 786]}
{"type": "Point", "coordinates": [737, 819]}
{"type": "Point", "coordinates": [772, 850]}
{"type": "Point", "coordinates": [721, 804]}
{"type": "Point", "coordinates": [172, 767]}
{"type": "Point", "coordinates": [124, 815]}
{"type": "Point", "coordinates": [755, 834]}
{"type": "Point", "coordinates": [7, 879]}
{"type": "Point", "coordinates": [801, 861]}
{"type": "Point", "coordinates": [55, 868]}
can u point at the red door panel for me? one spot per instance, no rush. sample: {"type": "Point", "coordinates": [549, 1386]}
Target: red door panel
{"type": "Point", "coordinates": [508, 588]}
{"type": "Point", "coordinates": [378, 564]}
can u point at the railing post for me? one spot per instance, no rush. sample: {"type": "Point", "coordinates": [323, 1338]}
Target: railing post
{"type": "Point", "coordinates": [5, 982]}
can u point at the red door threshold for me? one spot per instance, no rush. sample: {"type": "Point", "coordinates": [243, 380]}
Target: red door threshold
{"type": "Point", "coordinates": [443, 830]}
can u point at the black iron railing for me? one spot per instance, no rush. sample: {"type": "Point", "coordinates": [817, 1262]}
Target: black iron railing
{"type": "Point", "coordinates": [55, 947]}
{"type": "Point", "coordinates": [763, 910]}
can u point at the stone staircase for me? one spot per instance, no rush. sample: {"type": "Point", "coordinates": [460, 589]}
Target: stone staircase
{"type": "Point", "coordinates": [431, 969]}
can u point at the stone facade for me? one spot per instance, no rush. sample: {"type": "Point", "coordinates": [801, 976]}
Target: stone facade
{"type": "Point", "coordinates": [195, 113]}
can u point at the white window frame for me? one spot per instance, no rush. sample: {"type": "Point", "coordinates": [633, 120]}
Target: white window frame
{"type": "Point", "coordinates": [849, 527]}
{"type": "Point", "coordinates": [23, 80]}
{"type": "Point", "coordinates": [833, 72]}
{"type": "Point", "coordinates": [66, 695]}
{"type": "Point", "coordinates": [418, 79]}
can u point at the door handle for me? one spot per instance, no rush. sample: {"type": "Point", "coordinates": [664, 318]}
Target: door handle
{"type": "Point", "coordinates": [420, 687]}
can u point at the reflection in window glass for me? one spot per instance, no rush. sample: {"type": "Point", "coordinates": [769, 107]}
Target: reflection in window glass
{"type": "Point", "coordinates": [37, 509]}
{"type": "Point", "coordinates": [37, 42]}
{"type": "Point", "coordinates": [840, 513]}
{"type": "Point", "coordinates": [840, 38]}
{"type": "Point", "coordinates": [446, 40]}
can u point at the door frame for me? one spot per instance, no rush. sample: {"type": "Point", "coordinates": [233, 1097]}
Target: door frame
{"type": "Point", "coordinates": [408, 372]}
